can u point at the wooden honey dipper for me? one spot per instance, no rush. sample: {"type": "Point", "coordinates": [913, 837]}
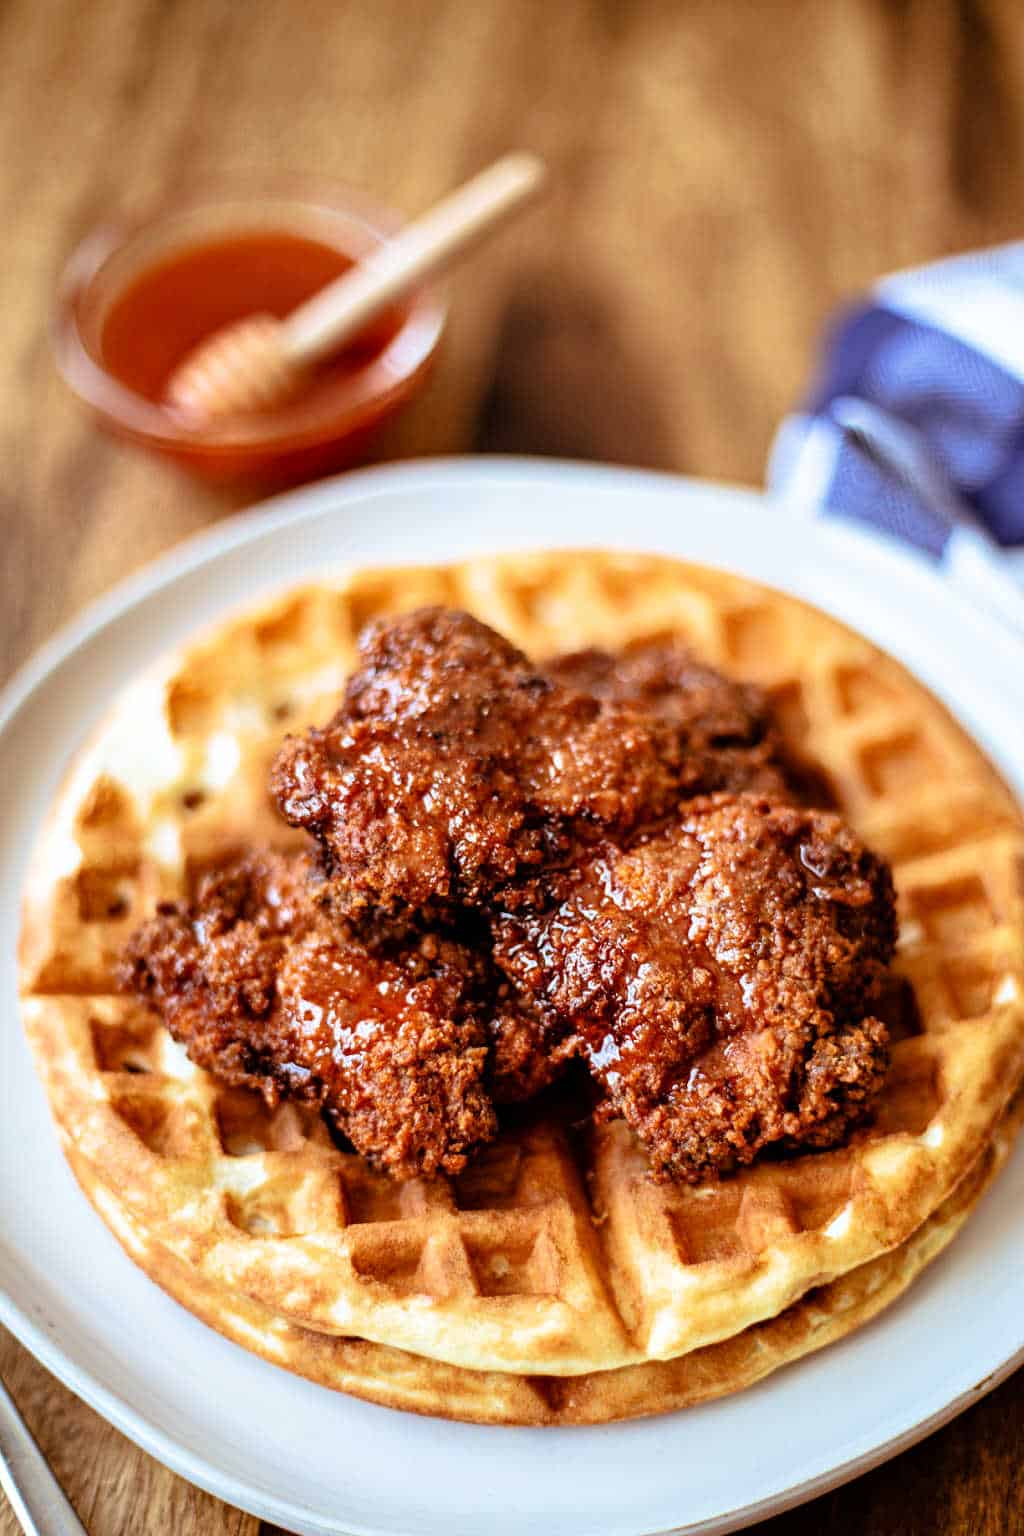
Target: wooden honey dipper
{"type": "Point", "coordinates": [257, 363]}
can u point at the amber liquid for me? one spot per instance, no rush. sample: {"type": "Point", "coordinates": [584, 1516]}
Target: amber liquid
{"type": "Point", "coordinates": [173, 306]}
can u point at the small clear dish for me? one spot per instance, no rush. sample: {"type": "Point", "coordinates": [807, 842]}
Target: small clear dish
{"type": "Point", "coordinates": [136, 297]}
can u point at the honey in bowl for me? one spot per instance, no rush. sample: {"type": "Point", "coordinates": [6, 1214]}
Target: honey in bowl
{"type": "Point", "coordinates": [135, 303]}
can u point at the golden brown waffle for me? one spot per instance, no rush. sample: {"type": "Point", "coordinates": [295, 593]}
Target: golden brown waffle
{"type": "Point", "coordinates": [398, 1379]}
{"type": "Point", "coordinates": [544, 1257]}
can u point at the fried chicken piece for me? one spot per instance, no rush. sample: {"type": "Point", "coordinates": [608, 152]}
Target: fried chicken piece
{"type": "Point", "coordinates": [454, 769]}
{"type": "Point", "coordinates": [719, 979]}
{"type": "Point", "coordinates": [456, 774]}
{"type": "Point", "coordinates": [725, 729]}
{"type": "Point", "coordinates": [266, 992]}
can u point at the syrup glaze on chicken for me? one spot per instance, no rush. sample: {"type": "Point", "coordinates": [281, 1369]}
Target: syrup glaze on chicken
{"type": "Point", "coordinates": [614, 858]}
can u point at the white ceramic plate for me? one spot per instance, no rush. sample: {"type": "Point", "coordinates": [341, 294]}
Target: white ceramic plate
{"type": "Point", "coordinates": [315, 1461]}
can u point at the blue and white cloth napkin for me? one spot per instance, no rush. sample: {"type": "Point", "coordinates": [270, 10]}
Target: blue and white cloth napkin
{"type": "Point", "coordinates": [915, 424]}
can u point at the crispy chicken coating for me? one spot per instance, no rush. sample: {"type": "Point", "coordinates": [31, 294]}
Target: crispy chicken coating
{"type": "Point", "coordinates": [454, 769]}
{"type": "Point", "coordinates": [456, 772]}
{"type": "Point", "coordinates": [268, 993]}
{"type": "Point", "coordinates": [529, 1046]}
{"type": "Point", "coordinates": [719, 979]}
{"type": "Point", "coordinates": [518, 865]}
{"type": "Point", "coordinates": [725, 731]}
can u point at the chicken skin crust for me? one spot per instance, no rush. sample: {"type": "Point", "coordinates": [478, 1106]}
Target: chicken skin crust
{"type": "Point", "coordinates": [724, 728]}
{"type": "Point", "coordinates": [604, 856]}
{"type": "Point", "coordinates": [266, 993]}
{"type": "Point", "coordinates": [719, 979]}
{"type": "Point", "coordinates": [454, 769]}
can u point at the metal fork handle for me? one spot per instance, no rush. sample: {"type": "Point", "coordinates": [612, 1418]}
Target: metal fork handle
{"type": "Point", "coordinates": [36, 1497]}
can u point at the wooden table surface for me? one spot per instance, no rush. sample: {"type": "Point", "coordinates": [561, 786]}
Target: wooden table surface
{"type": "Point", "coordinates": [725, 174]}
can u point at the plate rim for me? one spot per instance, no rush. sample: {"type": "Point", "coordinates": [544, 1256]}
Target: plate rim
{"type": "Point", "coordinates": [225, 1486]}
{"type": "Point", "coordinates": [241, 527]}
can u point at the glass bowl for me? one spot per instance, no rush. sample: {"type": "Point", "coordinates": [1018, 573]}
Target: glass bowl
{"type": "Point", "coordinates": [333, 424]}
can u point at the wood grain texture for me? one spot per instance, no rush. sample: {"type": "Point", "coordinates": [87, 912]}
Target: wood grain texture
{"type": "Point", "coordinates": [726, 172]}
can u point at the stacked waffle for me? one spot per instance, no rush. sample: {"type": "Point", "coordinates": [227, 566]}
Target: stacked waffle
{"type": "Point", "coordinates": [552, 1281]}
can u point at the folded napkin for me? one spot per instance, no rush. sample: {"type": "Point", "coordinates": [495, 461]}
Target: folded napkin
{"type": "Point", "coordinates": [915, 424]}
